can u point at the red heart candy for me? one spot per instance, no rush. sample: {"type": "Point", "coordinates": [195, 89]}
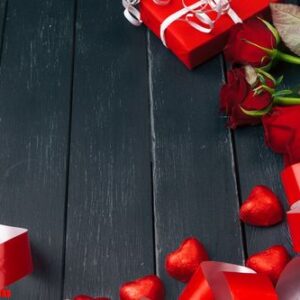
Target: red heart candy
{"type": "Point", "coordinates": [149, 287]}
{"type": "Point", "coordinates": [269, 262]}
{"type": "Point", "coordinates": [182, 263]}
{"type": "Point", "coordinates": [262, 208]}
{"type": "Point", "coordinates": [85, 297]}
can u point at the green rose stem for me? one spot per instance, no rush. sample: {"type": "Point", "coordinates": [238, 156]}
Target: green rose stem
{"type": "Point", "coordinates": [276, 54]}
{"type": "Point", "coordinates": [286, 101]}
{"type": "Point", "coordinates": [287, 57]}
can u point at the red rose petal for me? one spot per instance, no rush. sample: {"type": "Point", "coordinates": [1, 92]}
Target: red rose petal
{"type": "Point", "coordinates": [182, 263]}
{"type": "Point", "coordinates": [269, 262]}
{"type": "Point", "coordinates": [262, 208]}
{"type": "Point", "coordinates": [282, 132]}
{"type": "Point", "coordinates": [238, 50]}
{"type": "Point", "coordinates": [257, 102]}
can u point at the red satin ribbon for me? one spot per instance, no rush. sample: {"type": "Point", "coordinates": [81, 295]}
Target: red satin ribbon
{"type": "Point", "coordinates": [15, 255]}
{"type": "Point", "coordinates": [221, 281]}
{"type": "Point", "coordinates": [293, 219]}
{"type": "Point", "coordinates": [290, 177]}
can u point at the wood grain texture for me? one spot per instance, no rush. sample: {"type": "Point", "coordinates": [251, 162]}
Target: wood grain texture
{"type": "Point", "coordinates": [35, 79]}
{"type": "Point", "coordinates": [3, 11]}
{"type": "Point", "coordinates": [194, 181]}
{"type": "Point", "coordinates": [109, 236]}
{"type": "Point", "coordinates": [257, 164]}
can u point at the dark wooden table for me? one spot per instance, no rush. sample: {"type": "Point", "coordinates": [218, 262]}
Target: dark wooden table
{"type": "Point", "coordinates": [111, 152]}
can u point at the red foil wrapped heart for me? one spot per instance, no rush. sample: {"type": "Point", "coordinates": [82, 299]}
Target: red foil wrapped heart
{"type": "Point", "coordinates": [269, 262]}
{"type": "Point", "coordinates": [85, 297]}
{"type": "Point", "coordinates": [149, 287]}
{"type": "Point", "coordinates": [262, 208]}
{"type": "Point", "coordinates": [182, 263]}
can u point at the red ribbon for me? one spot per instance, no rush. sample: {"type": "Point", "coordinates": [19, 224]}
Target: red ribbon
{"type": "Point", "coordinates": [222, 281]}
{"type": "Point", "coordinates": [216, 280]}
{"type": "Point", "coordinates": [15, 255]}
{"type": "Point", "coordinates": [291, 182]}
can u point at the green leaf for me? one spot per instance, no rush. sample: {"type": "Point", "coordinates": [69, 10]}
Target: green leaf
{"type": "Point", "coordinates": [282, 93]}
{"type": "Point", "coordinates": [267, 67]}
{"type": "Point", "coordinates": [286, 18]}
{"type": "Point", "coordinates": [262, 78]}
{"type": "Point", "coordinates": [266, 74]}
{"type": "Point", "coordinates": [279, 80]}
{"type": "Point", "coordinates": [257, 113]}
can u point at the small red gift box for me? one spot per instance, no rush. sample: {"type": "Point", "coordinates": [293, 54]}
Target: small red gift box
{"type": "Point", "coordinates": [15, 255]}
{"type": "Point", "coordinates": [191, 46]}
{"type": "Point", "coordinates": [293, 219]}
{"type": "Point", "coordinates": [290, 177]}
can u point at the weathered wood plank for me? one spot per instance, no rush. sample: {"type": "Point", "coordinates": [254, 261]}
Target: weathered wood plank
{"type": "Point", "coordinates": [3, 11]}
{"type": "Point", "coordinates": [109, 237]}
{"type": "Point", "coordinates": [35, 79]}
{"type": "Point", "coordinates": [194, 181]}
{"type": "Point", "coordinates": [257, 164]}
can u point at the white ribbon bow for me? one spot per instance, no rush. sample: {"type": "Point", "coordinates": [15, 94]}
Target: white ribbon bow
{"type": "Point", "coordinates": [131, 13]}
{"type": "Point", "coordinates": [198, 10]}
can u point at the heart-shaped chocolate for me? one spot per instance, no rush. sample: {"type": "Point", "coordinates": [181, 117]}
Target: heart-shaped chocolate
{"type": "Point", "coordinates": [85, 297]}
{"type": "Point", "coordinates": [262, 208]}
{"type": "Point", "coordinates": [269, 262]}
{"type": "Point", "coordinates": [182, 263]}
{"type": "Point", "coordinates": [149, 287]}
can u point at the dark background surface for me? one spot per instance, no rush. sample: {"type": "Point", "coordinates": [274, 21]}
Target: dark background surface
{"type": "Point", "coordinates": [111, 152]}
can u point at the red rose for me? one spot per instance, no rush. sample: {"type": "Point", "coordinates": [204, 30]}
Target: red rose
{"type": "Point", "coordinates": [240, 48]}
{"type": "Point", "coordinates": [282, 132]}
{"type": "Point", "coordinates": [237, 93]}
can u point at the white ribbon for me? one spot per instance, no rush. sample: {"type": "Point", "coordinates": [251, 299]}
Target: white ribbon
{"type": "Point", "coordinates": [198, 10]}
{"type": "Point", "coordinates": [131, 13]}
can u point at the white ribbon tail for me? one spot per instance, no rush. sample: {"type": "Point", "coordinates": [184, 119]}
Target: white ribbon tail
{"type": "Point", "coordinates": [234, 16]}
{"type": "Point", "coordinates": [174, 17]}
{"type": "Point", "coordinates": [131, 13]}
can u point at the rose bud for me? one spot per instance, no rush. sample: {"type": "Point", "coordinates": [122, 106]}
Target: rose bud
{"type": "Point", "coordinates": [282, 132]}
{"type": "Point", "coordinates": [243, 93]}
{"type": "Point", "coordinates": [252, 43]}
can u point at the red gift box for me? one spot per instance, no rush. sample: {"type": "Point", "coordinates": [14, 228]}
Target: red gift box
{"type": "Point", "coordinates": [293, 219]}
{"type": "Point", "coordinates": [290, 177]}
{"type": "Point", "coordinates": [191, 46]}
{"type": "Point", "coordinates": [15, 255]}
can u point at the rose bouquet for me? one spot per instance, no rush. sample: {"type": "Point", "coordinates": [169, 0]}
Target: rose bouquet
{"type": "Point", "coordinates": [251, 94]}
